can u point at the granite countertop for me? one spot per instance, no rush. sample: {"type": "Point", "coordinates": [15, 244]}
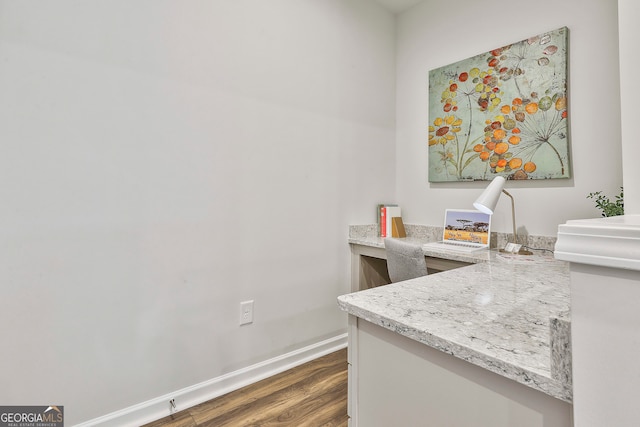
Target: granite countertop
{"type": "Point", "coordinates": [510, 316]}
{"type": "Point", "coordinates": [470, 257]}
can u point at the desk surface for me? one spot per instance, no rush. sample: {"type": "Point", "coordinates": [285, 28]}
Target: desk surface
{"type": "Point", "coordinates": [469, 257]}
{"type": "Point", "coordinates": [499, 314]}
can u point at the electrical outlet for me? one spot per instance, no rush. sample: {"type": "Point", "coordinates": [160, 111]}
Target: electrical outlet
{"type": "Point", "coordinates": [246, 312]}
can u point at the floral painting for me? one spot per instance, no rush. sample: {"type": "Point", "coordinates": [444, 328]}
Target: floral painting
{"type": "Point", "coordinates": [503, 112]}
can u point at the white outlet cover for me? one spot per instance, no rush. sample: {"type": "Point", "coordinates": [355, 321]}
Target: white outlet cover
{"type": "Point", "coordinates": [246, 312]}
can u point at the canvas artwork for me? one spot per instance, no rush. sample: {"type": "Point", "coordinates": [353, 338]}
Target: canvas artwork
{"type": "Point", "coordinates": [503, 112]}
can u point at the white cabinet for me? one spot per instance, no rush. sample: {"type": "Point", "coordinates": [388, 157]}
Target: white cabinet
{"type": "Point", "coordinates": [401, 382]}
{"type": "Point", "coordinates": [605, 318]}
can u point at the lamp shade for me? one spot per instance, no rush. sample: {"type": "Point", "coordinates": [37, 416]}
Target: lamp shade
{"type": "Point", "coordinates": [489, 198]}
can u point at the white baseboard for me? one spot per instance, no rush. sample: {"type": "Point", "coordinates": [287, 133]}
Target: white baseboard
{"type": "Point", "coordinates": [157, 408]}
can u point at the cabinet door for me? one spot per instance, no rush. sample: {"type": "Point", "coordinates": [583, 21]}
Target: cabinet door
{"type": "Point", "coordinates": [405, 383]}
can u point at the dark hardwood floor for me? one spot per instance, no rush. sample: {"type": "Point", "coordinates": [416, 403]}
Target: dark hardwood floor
{"type": "Point", "coordinates": [310, 395]}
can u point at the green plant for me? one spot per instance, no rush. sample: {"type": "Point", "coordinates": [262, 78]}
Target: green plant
{"type": "Point", "coordinates": [608, 207]}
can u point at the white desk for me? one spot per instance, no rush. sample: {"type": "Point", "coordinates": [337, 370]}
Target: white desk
{"type": "Point", "coordinates": [483, 344]}
{"type": "Point", "coordinates": [369, 261]}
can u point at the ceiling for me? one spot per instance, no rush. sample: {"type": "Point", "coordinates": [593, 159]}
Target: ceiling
{"type": "Point", "coordinates": [397, 6]}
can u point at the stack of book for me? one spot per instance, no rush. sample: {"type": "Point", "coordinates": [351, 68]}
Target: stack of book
{"type": "Point", "coordinates": [390, 221]}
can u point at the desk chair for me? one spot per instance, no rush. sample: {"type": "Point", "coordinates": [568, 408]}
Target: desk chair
{"type": "Point", "coordinates": [404, 260]}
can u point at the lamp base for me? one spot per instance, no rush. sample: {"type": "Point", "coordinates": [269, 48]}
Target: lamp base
{"type": "Point", "coordinates": [516, 249]}
{"type": "Point", "coordinates": [520, 252]}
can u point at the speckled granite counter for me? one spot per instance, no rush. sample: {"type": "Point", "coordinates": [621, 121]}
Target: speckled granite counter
{"type": "Point", "coordinates": [499, 314]}
{"type": "Point", "coordinates": [367, 235]}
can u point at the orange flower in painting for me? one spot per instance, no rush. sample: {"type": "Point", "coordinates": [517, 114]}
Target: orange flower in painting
{"type": "Point", "coordinates": [531, 108]}
{"type": "Point", "coordinates": [501, 148]}
{"type": "Point", "coordinates": [499, 134]}
{"type": "Point", "coordinates": [515, 163]}
{"type": "Point", "coordinates": [529, 167]}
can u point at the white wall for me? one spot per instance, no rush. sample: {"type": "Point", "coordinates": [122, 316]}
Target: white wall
{"type": "Point", "coordinates": [605, 382]}
{"type": "Point", "coordinates": [433, 34]}
{"type": "Point", "coordinates": [629, 12]}
{"type": "Point", "coordinates": [162, 161]}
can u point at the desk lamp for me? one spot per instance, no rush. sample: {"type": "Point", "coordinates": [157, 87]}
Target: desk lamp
{"type": "Point", "coordinates": [487, 203]}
